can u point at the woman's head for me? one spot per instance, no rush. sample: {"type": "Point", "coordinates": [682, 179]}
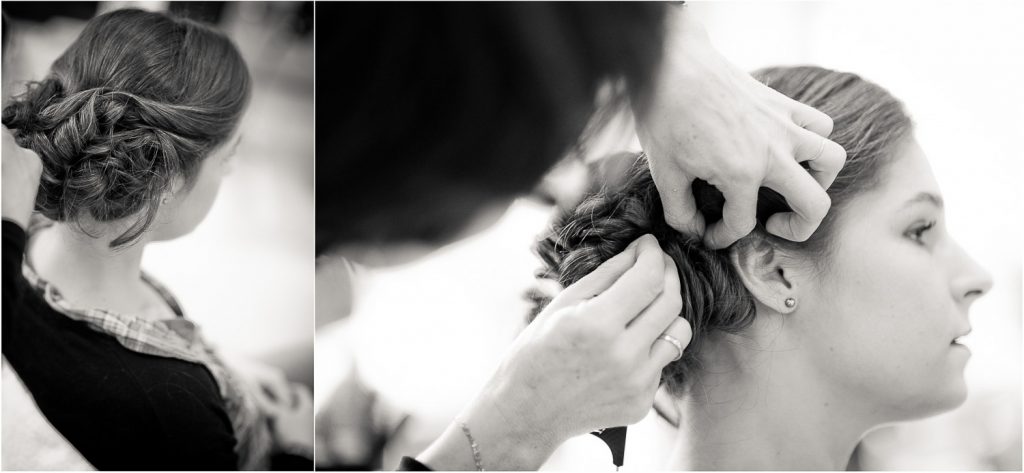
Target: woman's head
{"type": "Point", "coordinates": [881, 290]}
{"type": "Point", "coordinates": [125, 121]}
{"type": "Point", "coordinates": [469, 103]}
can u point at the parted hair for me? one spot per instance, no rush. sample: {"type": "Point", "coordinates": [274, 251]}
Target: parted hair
{"type": "Point", "coordinates": [135, 103]}
{"type": "Point", "coordinates": [869, 124]}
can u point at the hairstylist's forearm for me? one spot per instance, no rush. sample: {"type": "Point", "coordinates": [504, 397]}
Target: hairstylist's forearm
{"type": "Point", "coordinates": [585, 362]}
{"type": "Point", "coordinates": [506, 439]}
{"type": "Point", "coordinates": [680, 28]}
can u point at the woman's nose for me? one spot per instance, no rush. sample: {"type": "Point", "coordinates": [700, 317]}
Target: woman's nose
{"type": "Point", "coordinates": [971, 280]}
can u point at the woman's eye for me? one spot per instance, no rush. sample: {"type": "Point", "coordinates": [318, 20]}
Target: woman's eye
{"type": "Point", "coordinates": [917, 233]}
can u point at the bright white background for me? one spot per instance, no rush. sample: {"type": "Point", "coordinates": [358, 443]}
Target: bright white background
{"type": "Point", "coordinates": [427, 334]}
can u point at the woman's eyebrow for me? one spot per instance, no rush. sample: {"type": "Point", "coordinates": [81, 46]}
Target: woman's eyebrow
{"type": "Point", "coordinates": [925, 197]}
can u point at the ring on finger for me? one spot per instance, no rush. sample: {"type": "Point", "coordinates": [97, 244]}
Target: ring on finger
{"type": "Point", "coordinates": [675, 342]}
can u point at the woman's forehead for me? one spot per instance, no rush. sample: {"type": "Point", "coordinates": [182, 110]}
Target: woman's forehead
{"type": "Point", "coordinates": [906, 181]}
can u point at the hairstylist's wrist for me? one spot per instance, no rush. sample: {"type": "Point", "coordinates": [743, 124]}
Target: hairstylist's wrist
{"type": "Point", "coordinates": [508, 433]}
{"type": "Point", "coordinates": [682, 28]}
{"type": "Point", "coordinates": [512, 417]}
{"type": "Point", "coordinates": [685, 41]}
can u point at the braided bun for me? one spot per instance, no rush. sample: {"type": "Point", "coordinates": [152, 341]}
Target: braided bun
{"type": "Point", "coordinates": [611, 218]}
{"type": "Point", "coordinates": [114, 139]}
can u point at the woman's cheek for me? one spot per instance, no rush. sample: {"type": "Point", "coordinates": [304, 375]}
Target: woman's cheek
{"type": "Point", "coordinates": [874, 296]}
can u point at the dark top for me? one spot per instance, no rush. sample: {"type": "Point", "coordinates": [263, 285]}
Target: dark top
{"type": "Point", "coordinates": [121, 409]}
{"type": "Point", "coordinates": [410, 464]}
{"type": "Point", "coordinates": [613, 437]}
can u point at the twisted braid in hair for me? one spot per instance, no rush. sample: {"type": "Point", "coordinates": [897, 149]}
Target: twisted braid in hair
{"type": "Point", "coordinates": [130, 108]}
{"type": "Point", "coordinates": [611, 218]}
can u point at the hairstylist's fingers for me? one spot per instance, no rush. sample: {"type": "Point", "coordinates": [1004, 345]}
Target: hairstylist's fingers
{"type": "Point", "coordinates": [599, 280]}
{"type": "Point", "coordinates": [824, 157]}
{"type": "Point", "coordinates": [676, 191]}
{"type": "Point", "coordinates": [808, 200]}
{"type": "Point", "coordinates": [265, 403]}
{"type": "Point", "coordinates": [657, 317]}
{"type": "Point", "coordinates": [275, 384]}
{"type": "Point", "coordinates": [267, 384]}
{"type": "Point", "coordinates": [637, 288]}
{"type": "Point", "coordinates": [739, 215]}
{"type": "Point", "coordinates": [811, 119]}
{"type": "Point", "coordinates": [663, 350]}
{"type": "Point", "coordinates": [303, 399]}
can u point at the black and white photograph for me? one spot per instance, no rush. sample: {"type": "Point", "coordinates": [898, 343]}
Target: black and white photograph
{"type": "Point", "coordinates": [669, 236]}
{"type": "Point", "coordinates": [158, 227]}
{"type": "Point", "coordinates": [512, 236]}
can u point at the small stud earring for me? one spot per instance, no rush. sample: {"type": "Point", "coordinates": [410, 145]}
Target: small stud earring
{"type": "Point", "coordinates": [790, 302]}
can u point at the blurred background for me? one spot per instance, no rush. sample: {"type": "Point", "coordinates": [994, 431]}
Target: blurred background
{"type": "Point", "coordinates": [245, 275]}
{"type": "Point", "coordinates": [424, 336]}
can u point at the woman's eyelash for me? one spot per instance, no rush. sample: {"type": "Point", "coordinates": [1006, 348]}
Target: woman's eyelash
{"type": "Point", "coordinates": [917, 233]}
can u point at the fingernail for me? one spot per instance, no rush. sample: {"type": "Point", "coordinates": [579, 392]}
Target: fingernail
{"type": "Point", "coordinates": [776, 227]}
{"type": "Point", "coordinates": [638, 241]}
{"type": "Point", "coordinates": [651, 240]}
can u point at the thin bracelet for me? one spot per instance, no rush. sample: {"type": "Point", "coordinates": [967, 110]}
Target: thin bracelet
{"type": "Point", "coordinates": [473, 445]}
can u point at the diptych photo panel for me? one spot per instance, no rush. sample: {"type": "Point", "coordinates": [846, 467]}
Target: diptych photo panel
{"type": "Point", "coordinates": [513, 236]}
{"type": "Point", "coordinates": [158, 235]}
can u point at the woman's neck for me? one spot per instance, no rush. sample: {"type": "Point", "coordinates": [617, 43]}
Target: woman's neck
{"type": "Point", "coordinates": [760, 406]}
{"type": "Point", "coordinates": [87, 271]}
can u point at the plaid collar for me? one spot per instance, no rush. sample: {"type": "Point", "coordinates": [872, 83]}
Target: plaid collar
{"type": "Point", "coordinates": [177, 338]}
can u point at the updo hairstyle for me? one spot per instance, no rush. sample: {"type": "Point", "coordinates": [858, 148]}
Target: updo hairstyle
{"type": "Point", "coordinates": [136, 102]}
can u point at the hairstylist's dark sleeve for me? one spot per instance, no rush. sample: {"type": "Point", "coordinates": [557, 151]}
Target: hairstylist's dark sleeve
{"type": "Point", "coordinates": [410, 464]}
{"type": "Point", "coordinates": [289, 462]}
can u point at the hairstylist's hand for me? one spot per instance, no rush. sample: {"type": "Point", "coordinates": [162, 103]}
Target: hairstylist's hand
{"type": "Point", "coordinates": [268, 384]}
{"type": "Point", "coordinates": [287, 405]}
{"type": "Point", "coordinates": [291, 422]}
{"type": "Point", "coordinates": [707, 119]}
{"type": "Point", "coordinates": [21, 169]}
{"type": "Point", "coordinates": [591, 359]}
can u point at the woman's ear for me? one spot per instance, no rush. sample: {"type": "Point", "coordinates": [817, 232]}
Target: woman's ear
{"type": "Point", "coordinates": [766, 272]}
{"type": "Point", "coordinates": [173, 192]}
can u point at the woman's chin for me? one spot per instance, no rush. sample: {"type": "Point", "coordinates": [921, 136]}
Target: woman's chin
{"type": "Point", "coordinates": [957, 393]}
{"type": "Point", "coordinates": [956, 385]}
{"type": "Point", "coordinates": [948, 394]}
{"type": "Point", "coordinates": [958, 382]}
